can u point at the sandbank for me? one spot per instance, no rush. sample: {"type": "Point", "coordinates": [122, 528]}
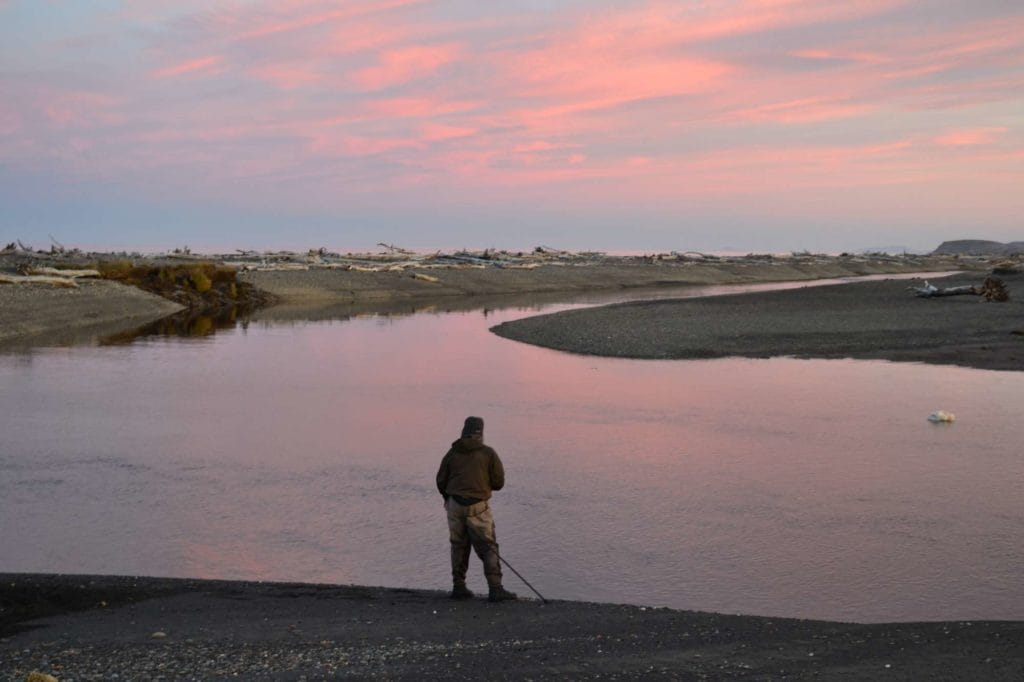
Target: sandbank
{"type": "Point", "coordinates": [864, 320]}
{"type": "Point", "coordinates": [40, 314]}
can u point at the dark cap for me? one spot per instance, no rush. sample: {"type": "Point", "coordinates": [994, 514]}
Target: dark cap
{"type": "Point", "coordinates": [472, 425]}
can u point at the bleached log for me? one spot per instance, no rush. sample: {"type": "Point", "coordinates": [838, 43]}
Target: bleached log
{"type": "Point", "coordinates": [423, 278]}
{"type": "Point", "coordinates": [66, 282]}
{"type": "Point", "coordinates": [282, 267]}
{"type": "Point", "coordinates": [694, 255]}
{"type": "Point", "coordinates": [992, 289]}
{"type": "Point", "coordinates": [54, 272]}
{"type": "Point", "coordinates": [395, 249]}
{"type": "Point", "coordinates": [931, 291]}
{"type": "Point", "coordinates": [472, 260]}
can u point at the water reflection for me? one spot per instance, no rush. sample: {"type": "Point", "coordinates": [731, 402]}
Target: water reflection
{"type": "Point", "coordinates": [306, 450]}
{"type": "Point", "coordinates": [186, 324]}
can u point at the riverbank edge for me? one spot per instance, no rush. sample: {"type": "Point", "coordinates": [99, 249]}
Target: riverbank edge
{"type": "Point", "coordinates": [876, 320]}
{"type": "Point", "coordinates": [90, 627]}
{"type": "Point", "coordinates": [34, 315]}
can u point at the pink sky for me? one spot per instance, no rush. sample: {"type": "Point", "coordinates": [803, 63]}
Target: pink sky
{"type": "Point", "coordinates": [751, 124]}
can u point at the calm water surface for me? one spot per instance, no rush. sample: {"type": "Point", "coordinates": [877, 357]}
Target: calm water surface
{"type": "Point", "coordinates": [307, 451]}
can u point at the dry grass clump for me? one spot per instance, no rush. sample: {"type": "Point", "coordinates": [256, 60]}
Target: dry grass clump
{"type": "Point", "coordinates": [196, 285]}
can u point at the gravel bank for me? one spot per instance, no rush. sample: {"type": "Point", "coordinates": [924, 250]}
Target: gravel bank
{"type": "Point", "coordinates": [103, 628]}
{"type": "Point", "coordinates": [868, 320]}
{"type": "Point", "coordinates": [34, 314]}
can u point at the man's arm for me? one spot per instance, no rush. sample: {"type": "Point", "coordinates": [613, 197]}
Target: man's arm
{"type": "Point", "coordinates": [442, 478]}
{"type": "Point", "coordinates": [496, 472]}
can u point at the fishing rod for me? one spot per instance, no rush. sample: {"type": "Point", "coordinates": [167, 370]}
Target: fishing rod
{"type": "Point", "coordinates": [519, 575]}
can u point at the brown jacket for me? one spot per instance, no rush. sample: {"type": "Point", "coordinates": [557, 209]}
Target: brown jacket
{"type": "Point", "coordinates": [470, 469]}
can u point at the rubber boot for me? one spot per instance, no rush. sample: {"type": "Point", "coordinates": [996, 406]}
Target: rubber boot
{"type": "Point", "coordinates": [460, 591]}
{"type": "Point", "coordinates": [499, 593]}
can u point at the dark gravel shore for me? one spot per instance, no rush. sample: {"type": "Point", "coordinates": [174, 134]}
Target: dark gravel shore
{"type": "Point", "coordinates": [868, 320]}
{"type": "Point", "coordinates": [128, 628]}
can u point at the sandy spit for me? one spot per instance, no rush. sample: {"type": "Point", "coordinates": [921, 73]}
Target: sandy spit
{"type": "Point", "coordinates": [866, 320]}
{"type": "Point", "coordinates": [103, 628]}
{"type": "Point", "coordinates": [40, 314]}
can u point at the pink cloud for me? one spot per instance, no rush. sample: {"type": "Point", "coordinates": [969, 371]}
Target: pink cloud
{"type": "Point", "coordinates": [192, 66]}
{"type": "Point", "coordinates": [400, 65]}
{"type": "Point", "coordinates": [639, 99]}
{"type": "Point", "coordinates": [540, 146]}
{"type": "Point", "coordinates": [417, 107]}
{"type": "Point", "coordinates": [669, 24]}
{"type": "Point", "coordinates": [806, 110]}
{"type": "Point", "coordinates": [79, 109]}
{"type": "Point", "coordinates": [969, 137]}
{"type": "Point", "coordinates": [829, 55]}
{"type": "Point", "coordinates": [355, 145]}
{"type": "Point", "coordinates": [434, 132]}
{"type": "Point", "coordinates": [295, 15]}
{"type": "Point", "coordinates": [287, 77]}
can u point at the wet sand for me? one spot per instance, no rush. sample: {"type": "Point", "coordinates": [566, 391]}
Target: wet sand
{"type": "Point", "coordinates": [93, 628]}
{"type": "Point", "coordinates": [865, 320]}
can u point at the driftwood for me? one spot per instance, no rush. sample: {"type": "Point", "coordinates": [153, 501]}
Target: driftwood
{"type": "Point", "coordinates": [395, 249]}
{"type": "Point", "coordinates": [694, 255]}
{"type": "Point", "coordinates": [55, 272]}
{"type": "Point", "coordinates": [67, 282]}
{"type": "Point", "coordinates": [932, 291]}
{"type": "Point", "coordinates": [992, 289]}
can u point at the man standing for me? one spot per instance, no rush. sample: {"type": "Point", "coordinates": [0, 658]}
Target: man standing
{"type": "Point", "coordinates": [468, 473]}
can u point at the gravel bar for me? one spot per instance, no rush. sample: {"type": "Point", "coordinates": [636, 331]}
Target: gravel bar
{"type": "Point", "coordinates": [78, 627]}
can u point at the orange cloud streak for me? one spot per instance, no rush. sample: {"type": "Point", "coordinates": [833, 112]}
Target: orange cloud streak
{"type": "Point", "coordinates": [191, 66]}
{"type": "Point", "coordinates": [397, 66]}
{"type": "Point", "coordinates": [969, 138]}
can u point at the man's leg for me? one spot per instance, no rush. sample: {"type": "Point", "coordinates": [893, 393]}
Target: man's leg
{"type": "Point", "coordinates": [458, 537]}
{"type": "Point", "coordinates": [480, 525]}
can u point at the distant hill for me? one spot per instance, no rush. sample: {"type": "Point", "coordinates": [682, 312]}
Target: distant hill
{"type": "Point", "coordinates": [979, 247]}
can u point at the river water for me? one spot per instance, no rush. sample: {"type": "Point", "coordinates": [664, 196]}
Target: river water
{"type": "Point", "coordinates": [306, 451]}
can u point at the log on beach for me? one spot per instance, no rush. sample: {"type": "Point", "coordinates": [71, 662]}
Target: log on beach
{"type": "Point", "coordinates": [992, 289]}
{"type": "Point", "coordinates": [67, 282]}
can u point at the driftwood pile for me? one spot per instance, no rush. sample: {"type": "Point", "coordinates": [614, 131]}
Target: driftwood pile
{"type": "Point", "coordinates": [396, 259]}
{"type": "Point", "coordinates": [52, 276]}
